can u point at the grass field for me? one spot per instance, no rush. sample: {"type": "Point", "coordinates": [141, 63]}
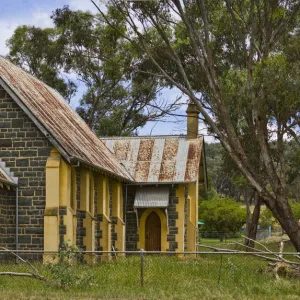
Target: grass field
{"type": "Point", "coordinates": [204, 277]}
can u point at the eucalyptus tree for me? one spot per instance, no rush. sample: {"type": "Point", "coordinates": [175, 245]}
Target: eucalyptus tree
{"type": "Point", "coordinates": [236, 60]}
{"type": "Point", "coordinates": [82, 51]}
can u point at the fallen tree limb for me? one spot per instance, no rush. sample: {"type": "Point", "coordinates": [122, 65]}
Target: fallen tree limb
{"type": "Point", "coordinates": [35, 274]}
{"type": "Point", "coordinates": [32, 275]}
{"type": "Point", "coordinates": [279, 257]}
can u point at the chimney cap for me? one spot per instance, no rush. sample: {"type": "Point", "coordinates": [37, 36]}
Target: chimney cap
{"type": "Point", "coordinates": [192, 108]}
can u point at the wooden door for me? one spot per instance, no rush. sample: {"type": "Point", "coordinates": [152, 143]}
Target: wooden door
{"type": "Point", "coordinates": [153, 233]}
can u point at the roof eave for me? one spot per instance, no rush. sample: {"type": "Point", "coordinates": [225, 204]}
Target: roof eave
{"type": "Point", "coordinates": [102, 170]}
{"type": "Point", "coordinates": [8, 182]}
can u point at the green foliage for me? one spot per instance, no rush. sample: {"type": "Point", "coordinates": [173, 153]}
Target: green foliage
{"type": "Point", "coordinates": [40, 52]}
{"type": "Point", "coordinates": [62, 272]}
{"type": "Point", "coordinates": [223, 215]}
{"type": "Point", "coordinates": [69, 252]}
{"type": "Point", "coordinates": [119, 96]}
{"type": "Point", "coordinates": [266, 219]}
{"type": "Point", "coordinates": [295, 206]}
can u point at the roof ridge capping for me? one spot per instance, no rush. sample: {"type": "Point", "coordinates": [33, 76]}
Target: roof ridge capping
{"type": "Point", "coordinates": [60, 123]}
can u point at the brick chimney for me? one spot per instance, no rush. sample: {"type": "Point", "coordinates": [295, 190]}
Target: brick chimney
{"type": "Point", "coordinates": [192, 121]}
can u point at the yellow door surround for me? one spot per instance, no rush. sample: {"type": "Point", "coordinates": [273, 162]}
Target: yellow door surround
{"type": "Point", "coordinates": [142, 228]}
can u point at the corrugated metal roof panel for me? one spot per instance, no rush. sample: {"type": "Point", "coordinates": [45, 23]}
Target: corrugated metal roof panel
{"type": "Point", "coordinates": [161, 159]}
{"type": "Point", "coordinates": [64, 124]}
{"type": "Point", "coordinates": [152, 197]}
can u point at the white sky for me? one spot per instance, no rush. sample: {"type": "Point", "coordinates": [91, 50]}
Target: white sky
{"type": "Point", "coordinates": [14, 13]}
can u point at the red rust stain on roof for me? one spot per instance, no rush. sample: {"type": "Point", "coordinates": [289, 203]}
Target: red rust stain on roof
{"type": "Point", "coordinates": [121, 149]}
{"type": "Point", "coordinates": [143, 160]}
{"type": "Point", "coordinates": [145, 150]}
{"type": "Point", "coordinates": [142, 171]}
{"type": "Point", "coordinates": [168, 166]}
{"type": "Point", "coordinates": [193, 160]}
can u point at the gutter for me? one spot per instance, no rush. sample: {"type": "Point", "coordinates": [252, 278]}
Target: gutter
{"type": "Point", "coordinates": [136, 183]}
{"type": "Point", "coordinates": [76, 160]}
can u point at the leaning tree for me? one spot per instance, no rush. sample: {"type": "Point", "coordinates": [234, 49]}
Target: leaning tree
{"type": "Point", "coordinates": [238, 61]}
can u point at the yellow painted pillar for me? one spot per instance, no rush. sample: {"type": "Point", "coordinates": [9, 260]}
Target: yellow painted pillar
{"type": "Point", "coordinates": [103, 209]}
{"type": "Point", "coordinates": [117, 213]}
{"type": "Point", "coordinates": [51, 218]}
{"type": "Point", "coordinates": [66, 202]}
{"type": "Point", "coordinates": [192, 222]}
{"type": "Point", "coordinates": [86, 205]}
{"type": "Point", "coordinates": [180, 221]}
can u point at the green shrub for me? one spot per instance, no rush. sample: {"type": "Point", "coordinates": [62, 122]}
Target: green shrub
{"type": "Point", "coordinates": [222, 215]}
{"type": "Point", "coordinates": [64, 272]}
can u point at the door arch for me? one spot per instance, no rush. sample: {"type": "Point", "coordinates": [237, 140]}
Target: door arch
{"type": "Point", "coordinates": [142, 228]}
{"type": "Point", "coordinates": [153, 232]}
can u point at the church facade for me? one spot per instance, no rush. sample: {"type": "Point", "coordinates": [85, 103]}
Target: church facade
{"type": "Point", "coordinates": [59, 182]}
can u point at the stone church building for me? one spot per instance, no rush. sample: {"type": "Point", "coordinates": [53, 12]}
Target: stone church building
{"type": "Point", "coordinates": [59, 181]}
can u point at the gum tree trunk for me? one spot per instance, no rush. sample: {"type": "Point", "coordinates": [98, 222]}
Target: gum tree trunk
{"type": "Point", "coordinates": [252, 221]}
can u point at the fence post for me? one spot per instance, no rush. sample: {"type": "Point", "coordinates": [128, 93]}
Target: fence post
{"type": "Point", "coordinates": [142, 267]}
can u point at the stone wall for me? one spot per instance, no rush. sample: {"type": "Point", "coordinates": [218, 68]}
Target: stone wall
{"type": "Point", "coordinates": [131, 222]}
{"type": "Point", "coordinates": [25, 149]}
{"type": "Point", "coordinates": [173, 216]}
{"type": "Point", "coordinates": [7, 218]}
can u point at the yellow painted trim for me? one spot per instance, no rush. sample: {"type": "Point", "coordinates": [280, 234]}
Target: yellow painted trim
{"type": "Point", "coordinates": [84, 189]}
{"type": "Point", "coordinates": [192, 222]}
{"type": "Point", "coordinates": [103, 196]}
{"type": "Point", "coordinates": [64, 184]}
{"type": "Point", "coordinates": [105, 240]}
{"type": "Point", "coordinates": [73, 190]}
{"type": "Point", "coordinates": [142, 228]}
{"type": "Point", "coordinates": [116, 198]}
{"type": "Point", "coordinates": [51, 221]}
{"type": "Point", "coordinates": [91, 206]}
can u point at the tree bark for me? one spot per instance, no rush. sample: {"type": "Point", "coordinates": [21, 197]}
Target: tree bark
{"type": "Point", "coordinates": [252, 221]}
{"type": "Point", "coordinates": [282, 212]}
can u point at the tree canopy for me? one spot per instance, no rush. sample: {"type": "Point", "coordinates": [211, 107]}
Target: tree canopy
{"type": "Point", "coordinates": [82, 49]}
{"type": "Point", "coordinates": [238, 61]}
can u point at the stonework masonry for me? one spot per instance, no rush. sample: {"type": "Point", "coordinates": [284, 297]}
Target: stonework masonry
{"type": "Point", "coordinates": [7, 218]}
{"type": "Point", "coordinates": [24, 149]}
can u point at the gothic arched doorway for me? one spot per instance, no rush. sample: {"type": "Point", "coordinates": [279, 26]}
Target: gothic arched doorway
{"type": "Point", "coordinates": [153, 232]}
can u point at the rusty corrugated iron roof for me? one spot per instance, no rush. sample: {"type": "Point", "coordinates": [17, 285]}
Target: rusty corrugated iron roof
{"type": "Point", "coordinates": [72, 135]}
{"type": "Point", "coordinates": [6, 176]}
{"type": "Point", "coordinates": [161, 159]}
